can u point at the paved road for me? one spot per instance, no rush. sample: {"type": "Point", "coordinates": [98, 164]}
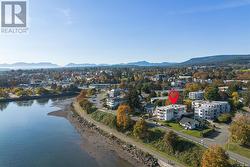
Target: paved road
{"type": "Point", "coordinates": [206, 142]}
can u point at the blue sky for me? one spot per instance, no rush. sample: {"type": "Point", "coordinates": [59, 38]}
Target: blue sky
{"type": "Point", "coordinates": [119, 31]}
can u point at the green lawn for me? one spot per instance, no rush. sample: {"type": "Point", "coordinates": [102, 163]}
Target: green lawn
{"type": "Point", "coordinates": [195, 133]}
{"type": "Point", "coordinates": [247, 70]}
{"type": "Point", "coordinates": [179, 128]}
{"type": "Point", "coordinates": [238, 149]}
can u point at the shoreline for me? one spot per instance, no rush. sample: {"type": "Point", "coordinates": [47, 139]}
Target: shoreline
{"type": "Point", "coordinates": [68, 94]}
{"type": "Point", "coordinates": [101, 142]}
{"type": "Point", "coordinates": [97, 143]}
{"type": "Point", "coordinates": [125, 150]}
{"type": "Point", "coordinates": [135, 149]}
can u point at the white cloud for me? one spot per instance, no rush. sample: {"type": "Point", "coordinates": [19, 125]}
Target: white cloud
{"type": "Point", "coordinates": [66, 14]}
{"type": "Point", "coordinates": [223, 6]}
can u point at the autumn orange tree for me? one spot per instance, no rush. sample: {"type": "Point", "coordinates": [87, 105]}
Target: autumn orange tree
{"type": "Point", "coordinates": [215, 156]}
{"type": "Point", "coordinates": [201, 75]}
{"type": "Point", "coordinates": [81, 96]}
{"type": "Point", "coordinates": [91, 92]}
{"type": "Point", "coordinates": [240, 130]}
{"type": "Point", "coordinates": [123, 118]}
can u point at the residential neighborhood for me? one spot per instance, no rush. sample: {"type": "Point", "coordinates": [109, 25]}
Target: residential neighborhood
{"type": "Point", "coordinates": [203, 112]}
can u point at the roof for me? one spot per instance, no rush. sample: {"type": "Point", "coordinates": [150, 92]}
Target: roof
{"type": "Point", "coordinates": [174, 106]}
{"type": "Point", "coordinates": [185, 120]}
{"type": "Point", "coordinates": [149, 105]}
{"type": "Point", "coordinates": [209, 102]}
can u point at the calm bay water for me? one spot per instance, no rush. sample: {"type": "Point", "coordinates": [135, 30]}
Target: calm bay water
{"type": "Point", "coordinates": [31, 138]}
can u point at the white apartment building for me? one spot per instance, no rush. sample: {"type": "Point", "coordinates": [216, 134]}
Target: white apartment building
{"type": "Point", "coordinates": [170, 112]}
{"type": "Point", "coordinates": [209, 110]}
{"type": "Point", "coordinates": [196, 95]}
{"type": "Point", "coordinates": [113, 103]}
{"type": "Point", "coordinates": [114, 93]}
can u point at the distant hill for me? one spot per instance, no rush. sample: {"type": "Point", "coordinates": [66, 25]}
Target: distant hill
{"type": "Point", "coordinates": [219, 59]}
{"type": "Point", "coordinates": [85, 65]}
{"type": "Point", "coordinates": [4, 69]}
{"type": "Point", "coordinates": [139, 63]}
{"type": "Point", "coordinates": [210, 60]}
{"type": "Point", "coordinates": [22, 65]}
{"type": "Point", "coordinates": [80, 65]}
{"type": "Point", "coordinates": [148, 64]}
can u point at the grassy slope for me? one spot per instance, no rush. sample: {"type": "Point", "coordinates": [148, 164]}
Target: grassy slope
{"type": "Point", "coordinates": [238, 149]}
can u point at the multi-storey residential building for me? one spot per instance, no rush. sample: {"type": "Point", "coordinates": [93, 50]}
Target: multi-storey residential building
{"type": "Point", "coordinates": [196, 95]}
{"type": "Point", "coordinates": [170, 112]}
{"type": "Point", "coordinates": [210, 110]}
{"type": "Point", "coordinates": [114, 93]}
{"type": "Point", "coordinates": [113, 103]}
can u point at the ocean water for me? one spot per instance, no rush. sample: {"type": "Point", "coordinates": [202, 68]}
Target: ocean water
{"type": "Point", "coordinates": [31, 138]}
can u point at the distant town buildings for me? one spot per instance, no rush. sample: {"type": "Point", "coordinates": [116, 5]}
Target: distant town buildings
{"type": "Point", "coordinates": [99, 86]}
{"type": "Point", "coordinates": [160, 77]}
{"type": "Point", "coordinates": [223, 88]}
{"type": "Point", "coordinates": [197, 80]}
{"type": "Point", "coordinates": [210, 110]}
{"type": "Point", "coordinates": [196, 95]}
{"type": "Point", "coordinates": [154, 99]}
{"type": "Point", "coordinates": [186, 77]}
{"type": "Point", "coordinates": [178, 83]}
{"type": "Point", "coordinates": [170, 112]}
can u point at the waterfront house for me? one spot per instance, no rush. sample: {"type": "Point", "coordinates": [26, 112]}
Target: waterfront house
{"type": "Point", "coordinates": [189, 123]}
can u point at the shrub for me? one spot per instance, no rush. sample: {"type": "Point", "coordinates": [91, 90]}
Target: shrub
{"type": "Point", "coordinates": [86, 105]}
{"type": "Point", "coordinates": [207, 132]}
{"type": "Point", "coordinates": [105, 118]}
{"type": "Point", "coordinates": [140, 130]}
{"type": "Point", "coordinates": [155, 134]}
{"type": "Point", "coordinates": [192, 157]}
{"type": "Point", "coordinates": [224, 118]}
{"type": "Point", "coordinates": [170, 141]}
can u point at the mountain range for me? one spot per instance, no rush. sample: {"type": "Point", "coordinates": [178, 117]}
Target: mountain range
{"type": "Point", "coordinates": [22, 65]}
{"type": "Point", "coordinates": [210, 60]}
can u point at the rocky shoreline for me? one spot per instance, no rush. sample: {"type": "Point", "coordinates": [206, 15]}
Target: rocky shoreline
{"type": "Point", "coordinates": [133, 154]}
